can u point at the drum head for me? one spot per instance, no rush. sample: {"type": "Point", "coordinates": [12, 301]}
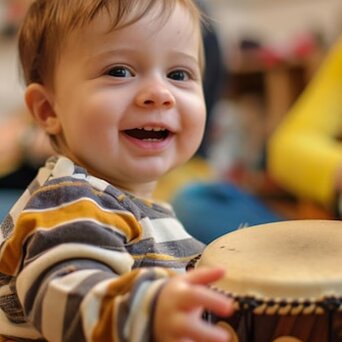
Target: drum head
{"type": "Point", "coordinates": [287, 260]}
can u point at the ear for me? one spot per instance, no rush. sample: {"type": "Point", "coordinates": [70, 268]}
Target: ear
{"type": "Point", "coordinates": [40, 105]}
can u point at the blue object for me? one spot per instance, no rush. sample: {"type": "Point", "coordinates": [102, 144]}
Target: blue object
{"type": "Point", "coordinates": [7, 198]}
{"type": "Point", "coordinates": [209, 210]}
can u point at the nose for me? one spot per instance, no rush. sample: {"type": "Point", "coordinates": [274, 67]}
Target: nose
{"type": "Point", "coordinates": [154, 96]}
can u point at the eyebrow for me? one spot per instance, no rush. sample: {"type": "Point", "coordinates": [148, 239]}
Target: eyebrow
{"type": "Point", "coordinates": [187, 56]}
{"type": "Point", "coordinates": [129, 51]}
{"type": "Point", "coordinates": [111, 53]}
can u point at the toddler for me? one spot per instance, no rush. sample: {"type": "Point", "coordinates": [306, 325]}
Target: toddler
{"type": "Point", "coordinates": [86, 253]}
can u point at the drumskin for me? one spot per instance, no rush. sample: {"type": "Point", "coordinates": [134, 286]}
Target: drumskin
{"type": "Point", "coordinates": [292, 261]}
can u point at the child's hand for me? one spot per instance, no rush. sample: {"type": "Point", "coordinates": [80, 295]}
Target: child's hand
{"type": "Point", "coordinates": [181, 304]}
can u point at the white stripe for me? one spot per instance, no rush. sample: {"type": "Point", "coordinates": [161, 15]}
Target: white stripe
{"type": "Point", "coordinates": [19, 205]}
{"type": "Point", "coordinates": [44, 173]}
{"type": "Point", "coordinates": [164, 229]}
{"type": "Point", "coordinates": [78, 200]}
{"type": "Point", "coordinates": [91, 305]}
{"type": "Point", "coordinates": [97, 183]}
{"type": "Point", "coordinates": [90, 219]}
{"type": "Point", "coordinates": [18, 330]}
{"type": "Point", "coordinates": [82, 220]}
{"type": "Point", "coordinates": [55, 302]}
{"type": "Point", "coordinates": [64, 167]}
{"type": "Point", "coordinates": [120, 262]}
{"type": "Point", "coordinates": [140, 310]}
{"type": "Point", "coordinates": [5, 290]}
{"type": "Point", "coordinates": [79, 176]}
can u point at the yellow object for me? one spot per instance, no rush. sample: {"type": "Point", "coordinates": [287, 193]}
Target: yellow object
{"type": "Point", "coordinates": [304, 153]}
{"type": "Point", "coordinates": [196, 169]}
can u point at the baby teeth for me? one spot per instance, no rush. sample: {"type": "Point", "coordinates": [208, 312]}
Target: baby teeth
{"type": "Point", "coordinates": [156, 129]}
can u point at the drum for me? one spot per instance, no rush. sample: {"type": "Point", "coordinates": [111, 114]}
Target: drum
{"type": "Point", "coordinates": [285, 279]}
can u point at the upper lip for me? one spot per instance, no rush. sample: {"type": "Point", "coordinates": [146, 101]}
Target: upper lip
{"type": "Point", "coordinates": [155, 133]}
{"type": "Point", "coordinates": [151, 128]}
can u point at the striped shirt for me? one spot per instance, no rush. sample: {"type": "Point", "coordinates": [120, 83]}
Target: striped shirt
{"type": "Point", "coordinates": [80, 260]}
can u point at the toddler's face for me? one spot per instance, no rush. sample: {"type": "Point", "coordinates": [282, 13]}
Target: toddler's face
{"type": "Point", "coordinates": [130, 102]}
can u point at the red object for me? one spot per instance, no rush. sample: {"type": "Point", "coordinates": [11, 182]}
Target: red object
{"type": "Point", "coordinates": [304, 46]}
{"type": "Point", "coordinates": [269, 57]}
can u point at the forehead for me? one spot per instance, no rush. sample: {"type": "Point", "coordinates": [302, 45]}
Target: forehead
{"type": "Point", "coordinates": [178, 29]}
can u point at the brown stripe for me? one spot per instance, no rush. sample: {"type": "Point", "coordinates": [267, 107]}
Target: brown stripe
{"type": "Point", "coordinates": [50, 219]}
{"type": "Point", "coordinates": [104, 329]}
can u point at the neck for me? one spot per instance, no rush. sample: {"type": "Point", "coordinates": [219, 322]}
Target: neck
{"type": "Point", "coordinates": [144, 190]}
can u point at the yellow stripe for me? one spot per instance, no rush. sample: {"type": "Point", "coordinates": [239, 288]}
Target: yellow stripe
{"type": "Point", "coordinates": [163, 257]}
{"type": "Point", "coordinates": [104, 329]}
{"type": "Point", "coordinates": [106, 326]}
{"type": "Point", "coordinates": [29, 222]}
{"type": "Point", "coordinates": [53, 187]}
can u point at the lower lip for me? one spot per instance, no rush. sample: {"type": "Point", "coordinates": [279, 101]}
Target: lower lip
{"type": "Point", "coordinates": [154, 146]}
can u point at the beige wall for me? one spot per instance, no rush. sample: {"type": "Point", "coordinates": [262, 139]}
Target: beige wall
{"type": "Point", "coordinates": [277, 21]}
{"type": "Point", "coordinates": [11, 89]}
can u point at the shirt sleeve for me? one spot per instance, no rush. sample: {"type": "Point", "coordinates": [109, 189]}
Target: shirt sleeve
{"type": "Point", "coordinates": [304, 153]}
{"type": "Point", "coordinates": [74, 276]}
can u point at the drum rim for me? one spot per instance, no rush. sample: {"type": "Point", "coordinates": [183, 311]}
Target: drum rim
{"type": "Point", "coordinates": [277, 305]}
{"type": "Point", "coordinates": [283, 306]}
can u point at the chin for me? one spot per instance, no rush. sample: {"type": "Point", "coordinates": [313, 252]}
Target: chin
{"type": "Point", "coordinates": [151, 175]}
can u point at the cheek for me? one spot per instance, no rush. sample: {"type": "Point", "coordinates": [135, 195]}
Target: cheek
{"type": "Point", "coordinates": [96, 131]}
{"type": "Point", "coordinates": [98, 113]}
{"type": "Point", "coordinates": [193, 129]}
{"type": "Point", "coordinates": [87, 128]}
{"type": "Point", "coordinates": [196, 120]}
{"type": "Point", "coordinates": [200, 122]}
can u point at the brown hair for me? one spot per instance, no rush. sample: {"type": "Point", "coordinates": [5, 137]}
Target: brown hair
{"type": "Point", "coordinates": [48, 23]}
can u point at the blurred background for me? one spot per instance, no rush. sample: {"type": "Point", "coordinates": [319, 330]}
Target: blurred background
{"type": "Point", "coordinates": [268, 53]}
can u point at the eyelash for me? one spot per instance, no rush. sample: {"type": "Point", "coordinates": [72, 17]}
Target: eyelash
{"type": "Point", "coordinates": [120, 68]}
{"type": "Point", "coordinates": [127, 72]}
{"type": "Point", "coordinates": [187, 74]}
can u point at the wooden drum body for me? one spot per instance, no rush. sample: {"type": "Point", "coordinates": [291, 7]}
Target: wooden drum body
{"type": "Point", "coordinates": [285, 278]}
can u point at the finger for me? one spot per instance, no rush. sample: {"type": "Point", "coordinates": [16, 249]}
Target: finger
{"type": "Point", "coordinates": [199, 330]}
{"type": "Point", "coordinates": [204, 275]}
{"type": "Point", "coordinates": [211, 300]}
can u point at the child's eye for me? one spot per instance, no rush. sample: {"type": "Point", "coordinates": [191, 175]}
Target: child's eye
{"type": "Point", "coordinates": [120, 71]}
{"type": "Point", "coordinates": [179, 75]}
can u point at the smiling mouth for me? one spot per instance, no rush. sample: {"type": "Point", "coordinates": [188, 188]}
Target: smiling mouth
{"type": "Point", "coordinates": [148, 134]}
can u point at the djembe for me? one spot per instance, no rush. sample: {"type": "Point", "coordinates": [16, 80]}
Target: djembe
{"type": "Point", "coordinates": [285, 279]}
